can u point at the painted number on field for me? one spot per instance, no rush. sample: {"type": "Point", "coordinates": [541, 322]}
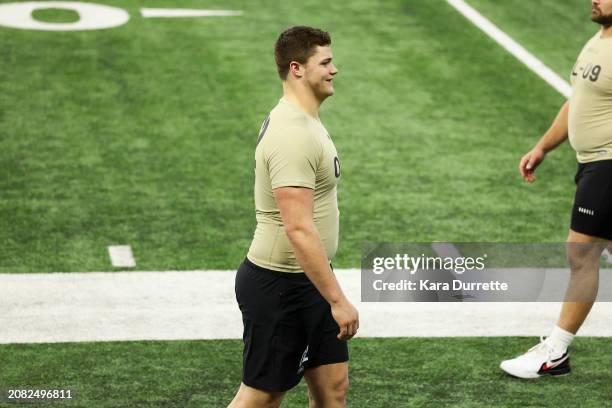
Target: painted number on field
{"type": "Point", "coordinates": [91, 16]}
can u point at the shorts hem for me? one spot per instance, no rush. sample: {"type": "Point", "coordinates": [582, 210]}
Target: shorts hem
{"type": "Point", "coordinates": [265, 388]}
{"type": "Point", "coordinates": [590, 233]}
{"type": "Point", "coordinates": [319, 364]}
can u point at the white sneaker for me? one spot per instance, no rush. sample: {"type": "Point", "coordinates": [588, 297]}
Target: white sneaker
{"type": "Point", "coordinates": [540, 360]}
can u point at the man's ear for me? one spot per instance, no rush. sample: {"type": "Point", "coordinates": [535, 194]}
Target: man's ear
{"type": "Point", "coordinates": [296, 69]}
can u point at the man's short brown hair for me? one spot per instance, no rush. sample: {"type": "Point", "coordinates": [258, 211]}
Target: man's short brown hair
{"type": "Point", "coordinates": [297, 44]}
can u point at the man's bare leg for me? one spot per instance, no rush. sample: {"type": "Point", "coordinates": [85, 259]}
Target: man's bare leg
{"type": "Point", "coordinates": [249, 397]}
{"type": "Point", "coordinates": [551, 356]}
{"type": "Point", "coordinates": [584, 282]}
{"type": "Point", "coordinates": [327, 385]}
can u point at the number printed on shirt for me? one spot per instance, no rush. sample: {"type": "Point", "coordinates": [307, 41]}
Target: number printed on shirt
{"type": "Point", "coordinates": [590, 71]}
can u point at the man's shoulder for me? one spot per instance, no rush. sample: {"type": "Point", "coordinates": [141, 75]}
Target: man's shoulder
{"type": "Point", "coordinates": [593, 39]}
{"type": "Point", "coordinates": [285, 116]}
{"type": "Point", "coordinates": [289, 124]}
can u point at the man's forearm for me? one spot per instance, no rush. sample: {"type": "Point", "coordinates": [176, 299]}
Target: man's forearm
{"type": "Point", "coordinates": [558, 131]}
{"type": "Point", "coordinates": [311, 255]}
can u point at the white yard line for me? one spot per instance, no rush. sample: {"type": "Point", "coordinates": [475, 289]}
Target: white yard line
{"type": "Point", "coordinates": [167, 12]}
{"type": "Point", "coordinates": [111, 306]}
{"type": "Point", "coordinates": [512, 47]}
{"type": "Point", "coordinates": [121, 256]}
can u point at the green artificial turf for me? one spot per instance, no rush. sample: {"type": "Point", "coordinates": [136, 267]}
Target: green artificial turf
{"type": "Point", "coordinates": [144, 134]}
{"type": "Point", "coordinates": [55, 15]}
{"type": "Point", "coordinates": [441, 372]}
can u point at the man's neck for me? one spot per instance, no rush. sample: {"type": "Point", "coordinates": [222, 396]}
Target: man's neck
{"type": "Point", "coordinates": [302, 98]}
{"type": "Point", "coordinates": [606, 31]}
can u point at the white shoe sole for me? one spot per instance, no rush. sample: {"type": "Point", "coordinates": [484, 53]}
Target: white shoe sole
{"type": "Point", "coordinates": [518, 373]}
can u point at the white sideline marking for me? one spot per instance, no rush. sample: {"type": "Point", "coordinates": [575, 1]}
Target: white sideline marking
{"type": "Point", "coordinates": [166, 12]}
{"type": "Point", "coordinates": [121, 256]}
{"type": "Point", "coordinates": [512, 47]}
{"type": "Point", "coordinates": [116, 306]}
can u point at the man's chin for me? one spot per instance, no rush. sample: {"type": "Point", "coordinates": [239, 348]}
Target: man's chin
{"type": "Point", "coordinates": [601, 19]}
{"type": "Point", "coordinates": [326, 93]}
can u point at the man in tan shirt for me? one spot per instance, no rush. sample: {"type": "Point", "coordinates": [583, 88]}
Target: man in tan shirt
{"type": "Point", "coordinates": [586, 119]}
{"type": "Point", "coordinates": [296, 317]}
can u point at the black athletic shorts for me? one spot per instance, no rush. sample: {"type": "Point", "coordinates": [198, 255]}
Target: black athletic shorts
{"type": "Point", "coordinates": [592, 212]}
{"type": "Point", "coordinates": [288, 328]}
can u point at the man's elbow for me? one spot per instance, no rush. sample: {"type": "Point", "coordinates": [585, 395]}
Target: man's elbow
{"type": "Point", "coordinates": [296, 230]}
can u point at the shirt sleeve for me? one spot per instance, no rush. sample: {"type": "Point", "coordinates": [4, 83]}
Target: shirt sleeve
{"type": "Point", "coordinates": [294, 159]}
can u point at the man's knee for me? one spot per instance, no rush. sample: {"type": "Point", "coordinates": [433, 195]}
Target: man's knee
{"type": "Point", "coordinates": [583, 251]}
{"type": "Point", "coordinates": [581, 257]}
{"type": "Point", "coordinates": [332, 393]}
{"type": "Point", "coordinates": [340, 387]}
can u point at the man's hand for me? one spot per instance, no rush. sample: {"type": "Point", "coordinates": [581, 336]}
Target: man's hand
{"type": "Point", "coordinates": [530, 162]}
{"type": "Point", "coordinates": [347, 317]}
{"type": "Point", "coordinates": [553, 137]}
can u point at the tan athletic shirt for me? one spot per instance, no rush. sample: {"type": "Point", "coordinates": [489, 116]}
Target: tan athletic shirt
{"type": "Point", "coordinates": [293, 150]}
{"type": "Point", "coordinates": [590, 105]}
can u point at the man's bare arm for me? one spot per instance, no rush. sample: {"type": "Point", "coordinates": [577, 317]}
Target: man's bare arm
{"type": "Point", "coordinates": [296, 206]}
{"type": "Point", "coordinates": [554, 136]}
{"type": "Point", "coordinates": [558, 131]}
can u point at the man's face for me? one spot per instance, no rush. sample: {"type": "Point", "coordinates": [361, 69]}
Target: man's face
{"type": "Point", "coordinates": [319, 72]}
{"type": "Point", "coordinates": [601, 12]}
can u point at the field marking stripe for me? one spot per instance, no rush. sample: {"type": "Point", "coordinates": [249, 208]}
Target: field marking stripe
{"type": "Point", "coordinates": [174, 305]}
{"type": "Point", "coordinates": [121, 256]}
{"type": "Point", "coordinates": [512, 47]}
{"type": "Point", "coordinates": [167, 12]}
